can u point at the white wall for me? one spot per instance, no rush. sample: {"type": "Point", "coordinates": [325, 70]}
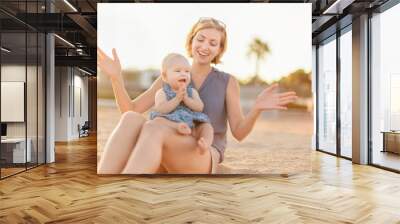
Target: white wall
{"type": "Point", "coordinates": [69, 85]}
{"type": "Point", "coordinates": [80, 96]}
{"type": "Point", "coordinates": [62, 80]}
{"type": "Point", "coordinates": [17, 73]}
{"type": "Point", "coordinates": [314, 94]}
{"type": "Point", "coordinates": [33, 127]}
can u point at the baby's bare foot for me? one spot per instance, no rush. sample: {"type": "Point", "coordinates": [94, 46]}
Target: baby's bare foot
{"type": "Point", "coordinates": [202, 145]}
{"type": "Point", "coordinates": [184, 129]}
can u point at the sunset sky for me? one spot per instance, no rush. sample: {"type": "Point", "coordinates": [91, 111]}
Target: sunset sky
{"type": "Point", "coordinates": [143, 33]}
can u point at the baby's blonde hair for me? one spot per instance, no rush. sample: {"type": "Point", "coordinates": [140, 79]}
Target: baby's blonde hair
{"type": "Point", "coordinates": [207, 24]}
{"type": "Point", "coordinates": [166, 62]}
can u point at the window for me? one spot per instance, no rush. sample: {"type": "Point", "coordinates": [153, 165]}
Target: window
{"type": "Point", "coordinates": [385, 88]}
{"type": "Point", "coordinates": [346, 94]}
{"type": "Point", "coordinates": [327, 96]}
{"type": "Point", "coordinates": [395, 102]}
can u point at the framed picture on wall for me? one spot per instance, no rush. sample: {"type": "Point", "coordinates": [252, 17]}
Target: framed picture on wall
{"type": "Point", "coordinates": [12, 101]}
{"type": "Point", "coordinates": [214, 92]}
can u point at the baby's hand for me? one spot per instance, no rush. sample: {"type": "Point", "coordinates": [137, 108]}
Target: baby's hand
{"type": "Point", "coordinates": [181, 93]}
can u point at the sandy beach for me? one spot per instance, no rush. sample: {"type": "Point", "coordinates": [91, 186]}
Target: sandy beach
{"type": "Point", "coordinates": [280, 142]}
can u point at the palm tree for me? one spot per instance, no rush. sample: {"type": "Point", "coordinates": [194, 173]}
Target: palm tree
{"type": "Point", "coordinates": [259, 49]}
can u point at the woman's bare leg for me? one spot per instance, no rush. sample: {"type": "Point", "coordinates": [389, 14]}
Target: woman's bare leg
{"type": "Point", "coordinates": [159, 144]}
{"type": "Point", "coordinates": [182, 155]}
{"type": "Point", "coordinates": [120, 143]}
{"type": "Point", "coordinates": [146, 156]}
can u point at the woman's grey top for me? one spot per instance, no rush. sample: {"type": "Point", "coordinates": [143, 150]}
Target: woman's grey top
{"type": "Point", "coordinates": [212, 92]}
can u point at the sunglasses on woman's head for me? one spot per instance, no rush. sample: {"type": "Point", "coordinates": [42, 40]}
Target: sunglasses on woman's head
{"type": "Point", "coordinates": [208, 19]}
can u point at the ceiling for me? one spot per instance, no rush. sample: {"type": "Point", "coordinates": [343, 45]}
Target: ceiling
{"type": "Point", "coordinates": [75, 21]}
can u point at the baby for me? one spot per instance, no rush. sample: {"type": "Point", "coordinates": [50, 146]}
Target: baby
{"type": "Point", "coordinates": [178, 103]}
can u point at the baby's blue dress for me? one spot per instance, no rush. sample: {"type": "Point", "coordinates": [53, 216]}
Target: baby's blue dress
{"type": "Point", "coordinates": [182, 113]}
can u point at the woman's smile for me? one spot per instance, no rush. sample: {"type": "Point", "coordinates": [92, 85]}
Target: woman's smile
{"type": "Point", "coordinates": [202, 53]}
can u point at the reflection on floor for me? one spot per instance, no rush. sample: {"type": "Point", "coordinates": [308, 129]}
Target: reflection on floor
{"type": "Point", "coordinates": [10, 169]}
{"type": "Point", "coordinates": [387, 159]}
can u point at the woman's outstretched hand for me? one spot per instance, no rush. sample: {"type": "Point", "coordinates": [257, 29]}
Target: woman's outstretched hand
{"type": "Point", "coordinates": [110, 66]}
{"type": "Point", "coordinates": [268, 99]}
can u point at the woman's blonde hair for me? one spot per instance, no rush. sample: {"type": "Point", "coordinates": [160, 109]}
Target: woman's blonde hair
{"type": "Point", "coordinates": [207, 23]}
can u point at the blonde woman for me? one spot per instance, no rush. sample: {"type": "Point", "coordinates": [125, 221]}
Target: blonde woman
{"type": "Point", "coordinates": [159, 148]}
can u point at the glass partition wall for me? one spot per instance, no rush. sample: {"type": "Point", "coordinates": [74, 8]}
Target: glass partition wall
{"type": "Point", "coordinates": [22, 88]}
{"type": "Point", "coordinates": [13, 89]}
{"type": "Point", "coordinates": [334, 90]}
